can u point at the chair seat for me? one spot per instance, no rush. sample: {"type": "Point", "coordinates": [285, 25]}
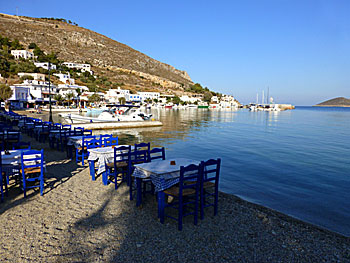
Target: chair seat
{"type": "Point", "coordinates": [175, 191]}
{"type": "Point", "coordinates": [119, 165]}
{"type": "Point", "coordinates": [208, 184]}
{"type": "Point", "coordinates": [31, 170]}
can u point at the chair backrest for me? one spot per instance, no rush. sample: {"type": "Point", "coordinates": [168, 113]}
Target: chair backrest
{"type": "Point", "coordinates": [32, 159]}
{"type": "Point", "coordinates": [156, 153]}
{"type": "Point", "coordinates": [78, 131]}
{"type": "Point", "coordinates": [143, 146]}
{"type": "Point", "coordinates": [93, 143]}
{"type": "Point", "coordinates": [110, 141]}
{"type": "Point", "coordinates": [87, 132]}
{"type": "Point", "coordinates": [13, 135]}
{"type": "Point", "coordinates": [141, 151]}
{"type": "Point", "coordinates": [190, 177]}
{"type": "Point", "coordinates": [211, 170]}
{"type": "Point", "coordinates": [122, 153]}
{"type": "Point", "coordinates": [67, 126]}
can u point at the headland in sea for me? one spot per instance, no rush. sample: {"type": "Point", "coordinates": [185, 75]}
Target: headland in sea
{"type": "Point", "coordinates": [79, 220]}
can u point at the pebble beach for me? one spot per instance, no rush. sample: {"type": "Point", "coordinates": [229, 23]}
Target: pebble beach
{"type": "Point", "coordinates": [80, 220]}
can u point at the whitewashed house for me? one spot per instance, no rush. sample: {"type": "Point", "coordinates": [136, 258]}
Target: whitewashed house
{"type": "Point", "coordinates": [82, 67]}
{"type": "Point", "coordinates": [149, 95]}
{"type": "Point", "coordinates": [191, 99]}
{"type": "Point", "coordinates": [38, 90]}
{"type": "Point", "coordinates": [133, 98]}
{"type": "Point", "coordinates": [113, 95]}
{"type": "Point", "coordinates": [22, 54]}
{"type": "Point", "coordinates": [45, 65]}
{"type": "Point", "coordinates": [36, 76]}
{"type": "Point", "coordinates": [20, 96]}
{"type": "Point", "coordinates": [64, 89]}
{"type": "Point", "coordinates": [65, 78]}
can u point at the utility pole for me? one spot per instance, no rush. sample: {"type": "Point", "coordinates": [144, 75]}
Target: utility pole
{"type": "Point", "coordinates": [50, 116]}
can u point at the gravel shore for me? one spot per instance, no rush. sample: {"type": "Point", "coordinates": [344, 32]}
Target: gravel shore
{"type": "Point", "coordinates": [79, 220]}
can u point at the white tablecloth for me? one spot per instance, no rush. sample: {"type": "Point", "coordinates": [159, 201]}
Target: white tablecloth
{"type": "Point", "coordinates": [103, 156]}
{"type": "Point", "coordinates": [162, 173]}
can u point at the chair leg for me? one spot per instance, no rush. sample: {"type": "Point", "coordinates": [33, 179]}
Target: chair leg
{"type": "Point", "coordinates": [41, 184]}
{"type": "Point", "coordinates": [202, 202]}
{"type": "Point", "coordinates": [180, 215]}
{"type": "Point", "coordinates": [216, 202]}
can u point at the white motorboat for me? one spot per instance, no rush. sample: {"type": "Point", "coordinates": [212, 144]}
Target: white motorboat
{"type": "Point", "coordinates": [113, 114]}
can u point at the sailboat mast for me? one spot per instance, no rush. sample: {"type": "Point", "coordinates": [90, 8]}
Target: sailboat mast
{"type": "Point", "coordinates": [257, 98]}
{"type": "Point", "coordinates": [268, 95]}
{"type": "Point", "coordinates": [262, 99]}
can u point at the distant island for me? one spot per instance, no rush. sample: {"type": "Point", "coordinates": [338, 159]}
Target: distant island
{"type": "Point", "coordinates": [336, 102]}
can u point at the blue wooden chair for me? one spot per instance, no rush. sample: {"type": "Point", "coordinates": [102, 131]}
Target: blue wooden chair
{"type": "Point", "coordinates": [94, 143]}
{"type": "Point", "coordinates": [136, 157]}
{"type": "Point", "coordinates": [186, 195]}
{"type": "Point", "coordinates": [110, 141]}
{"type": "Point", "coordinates": [143, 146]}
{"type": "Point", "coordinates": [81, 153]}
{"type": "Point", "coordinates": [13, 137]}
{"type": "Point", "coordinates": [119, 169]}
{"type": "Point", "coordinates": [210, 185]}
{"type": "Point", "coordinates": [87, 132]}
{"type": "Point", "coordinates": [32, 170]}
{"type": "Point", "coordinates": [156, 153]}
{"type": "Point", "coordinates": [78, 131]}
{"type": "Point", "coordinates": [2, 180]}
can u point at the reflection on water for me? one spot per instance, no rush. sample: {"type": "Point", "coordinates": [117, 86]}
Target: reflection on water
{"type": "Point", "coordinates": [295, 161]}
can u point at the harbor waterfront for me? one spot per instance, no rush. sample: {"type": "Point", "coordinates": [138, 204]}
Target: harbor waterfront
{"type": "Point", "coordinates": [296, 162]}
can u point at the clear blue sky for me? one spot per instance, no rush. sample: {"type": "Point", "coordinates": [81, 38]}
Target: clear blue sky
{"type": "Point", "coordinates": [298, 48]}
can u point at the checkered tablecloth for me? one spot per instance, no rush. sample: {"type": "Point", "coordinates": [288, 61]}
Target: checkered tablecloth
{"type": "Point", "coordinates": [103, 156]}
{"type": "Point", "coordinates": [162, 173]}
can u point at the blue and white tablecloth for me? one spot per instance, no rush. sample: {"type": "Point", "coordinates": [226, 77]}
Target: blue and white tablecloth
{"type": "Point", "coordinates": [103, 156]}
{"type": "Point", "coordinates": [162, 173]}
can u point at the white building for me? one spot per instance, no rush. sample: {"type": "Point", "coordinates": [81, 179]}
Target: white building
{"type": "Point", "coordinates": [215, 99]}
{"type": "Point", "coordinates": [191, 99]}
{"type": "Point", "coordinates": [36, 76]}
{"type": "Point", "coordinates": [149, 95]}
{"type": "Point", "coordinates": [82, 67]}
{"type": "Point", "coordinates": [22, 54]}
{"type": "Point", "coordinates": [45, 65]}
{"type": "Point", "coordinates": [64, 89]}
{"type": "Point", "coordinates": [65, 78]}
{"type": "Point", "coordinates": [113, 95]}
{"type": "Point", "coordinates": [20, 96]}
{"type": "Point", "coordinates": [38, 90]}
{"type": "Point", "coordinates": [133, 98]}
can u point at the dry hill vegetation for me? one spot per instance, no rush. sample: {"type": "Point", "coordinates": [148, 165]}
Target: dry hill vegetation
{"type": "Point", "coordinates": [336, 102]}
{"type": "Point", "coordinates": [112, 61]}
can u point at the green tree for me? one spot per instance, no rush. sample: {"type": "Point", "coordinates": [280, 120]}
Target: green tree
{"type": "Point", "coordinates": [176, 100]}
{"type": "Point", "coordinates": [69, 97]}
{"type": "Point", "coordinates": [94, 98]}
{"type": "Point", "coordinates": [59, 98]}
{"type": "Point", "coordinates": [24, 77]}
{"type": "Point", "coordinates": [32, 46]}
{"type": "Point", "coordinates": [5, 92]}
{"type": "Point", "coordinates": [121, 100]}
{"type": "Point", "coordinates": [16, 45]}
{"type": "Point", "coordinates": [207, 96]}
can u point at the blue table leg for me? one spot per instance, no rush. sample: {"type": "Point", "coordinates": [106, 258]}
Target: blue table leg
{"type": "Point", "coordinates": [105, 178]}
{"type": "Point", "coordinates": [92, 170]}
{"type": "Point", "coordinates": [70, 151]}
{"type": "Point", "coordinates": [139, 191]}
{"type": "Point", "coordinates": [161, 206]}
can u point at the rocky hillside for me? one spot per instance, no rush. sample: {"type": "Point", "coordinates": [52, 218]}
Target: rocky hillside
{"type": "Point", "coordinates": [115, 60]}
{"type": "Point", "coordinates": [336, 102]}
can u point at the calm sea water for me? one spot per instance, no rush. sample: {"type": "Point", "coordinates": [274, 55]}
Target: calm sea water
{"type": "Point", "coordinates": [297, 162]}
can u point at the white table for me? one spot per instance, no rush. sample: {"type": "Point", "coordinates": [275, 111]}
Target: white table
{"type": "Point", "coordinates": [162, 173]}
{"type": "Point", "coordinates": [102, 155]}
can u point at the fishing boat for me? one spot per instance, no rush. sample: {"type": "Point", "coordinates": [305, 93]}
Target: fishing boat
{"type": "Point", "coordinates": [114, 113]}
